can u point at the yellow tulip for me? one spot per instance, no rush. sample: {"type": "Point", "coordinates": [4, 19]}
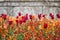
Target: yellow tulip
{"type": "Point", "coordinates": [40, 27]}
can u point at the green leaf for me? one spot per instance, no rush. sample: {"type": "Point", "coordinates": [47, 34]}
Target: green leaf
{"type": "Point", "coordinates": [44, 33]}
{"type": "Point", "coordinates": [3, 38]}
{"type": "Point", "coordinates": [52, 32]}
{"type": "Point", "coordinates": [20, 36]}
{"type": "Point", "coordinates": [11, 32]}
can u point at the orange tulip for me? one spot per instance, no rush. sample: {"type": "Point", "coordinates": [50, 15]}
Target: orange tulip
{"type": "Point", "coordinates": [1, 30]}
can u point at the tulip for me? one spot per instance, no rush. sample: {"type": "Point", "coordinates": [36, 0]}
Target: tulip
{"type": "Point", "coordinates": [58, 15]}
{"type": "Point", "coordinates": [10, 22]}
{"type": "Point", "coordinates": [26, 16]}
{"type": "Point", "coordinates": [3, 16]}
{"type": "Point", "coordinates": [39, 16]}
{"type": "Point", "coordinates": [51, 15]}
{"type": "Point", "coordinates": [0, 16]}
{"type": "Point", "coordinates": [23, 18]}
{"type": "Point", "coordinates": [43, 15]}
{"type": "Point", "coordinates": [17, 21]}
{"type": "Point", "coordinates": [20, 21]}
{"type": "Point", "coordinates": [19, 14]}
{"type": "Point", "coordinates": [17, 17]}
{"type": "Point", "coordinates": [15, 32]}
{"type": "Point", "coordinates": [30, 16]}
{"type": "Point", "coordinates": [45, 25]}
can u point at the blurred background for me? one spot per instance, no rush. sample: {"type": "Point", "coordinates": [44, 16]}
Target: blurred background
{"type": "Point", "coordinates": [12, 7]}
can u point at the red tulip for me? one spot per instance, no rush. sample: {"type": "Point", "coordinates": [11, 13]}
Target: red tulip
{"type": "Point", "coordinates": [58, 15]}
{"type": "Point", "coordinates": [39, 16]}
{"type": "Point", "coordinates": [52, 16]}
{"type": "Point", "coordinates": [26, 16]}
{"type": "Point", "coordinates": [15, 32]}
{"type": "Point", "coordinates": [54, 38]}
{"type": "Point", "coordinates": [43, 15]}
{"type": "Point", "coordinates": [17, 21]}
{"type": "Point", "coordinates": [10, 22]}
{"type": "Point", "coordinates": [0, 16]}
{"type": "Point", "coordinates": [30, 16]}
{"type": "Point", "coordinates": [19, 14]}
{"type": "Point", "coordinates": [45, 25]}
{"type": "Point", "coordinates": [23, 18]}
{"type": "Point", "coordinates": [3, 16]}
{"type": "Point", "coordinates": [17, 17]}
{"type": "Point", "coordinates": [20, 21]}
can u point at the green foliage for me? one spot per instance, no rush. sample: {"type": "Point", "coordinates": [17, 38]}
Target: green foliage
{"type": "Point", "coordinates": [11, 32]}
{"type": "Point", "coordinates": [3, 39]}
{"type": "Point", "coordinates": [20, 36]}
{"type": "Point", "coordinates": [52, 32]}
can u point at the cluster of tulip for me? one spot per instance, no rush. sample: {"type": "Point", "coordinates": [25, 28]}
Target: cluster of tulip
{"type": "Point", "coordinates": [29, 27]}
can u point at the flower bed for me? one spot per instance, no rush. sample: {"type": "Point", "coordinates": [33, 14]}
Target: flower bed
{"type": "Point", "coordinates": [29, 27]}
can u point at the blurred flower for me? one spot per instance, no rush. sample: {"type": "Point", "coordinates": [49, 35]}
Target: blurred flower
{"type": "Point", "coordinates": [10, 22]}
{"type": "Point", "coordinates": [3, 16]}
{"type": "Point", "coordinates": [43, 15]}
{"type": "Point", "coordinates": [58, 15]}
{"type": "Point", "coordinates": [17, 21]}
{"type": "Point", "coordinates": [45, 25]}
{"type": "Point", "coordinates": [19, 14]}
{"type": "Point", "coordinates": [20, 21]}
{"type": "Point", "coordinates": [51, 15]}
{"type": "Point", "coordinates": [1, 30]}
{"type": "Point", "coordinates": [15, 32]}
{"type": "Point", "coordinates": [42, 29]}
{"type": "Point", "coordinates": [39, 16]}
{"type": "Point", "coordinates": [30, 16]}
{"type": "Point", "coordinates": [23, 18]}
{"type": "Point", "coordinates": [33, 17]}
{"type": "Point", "coordinates": [26, 16]}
